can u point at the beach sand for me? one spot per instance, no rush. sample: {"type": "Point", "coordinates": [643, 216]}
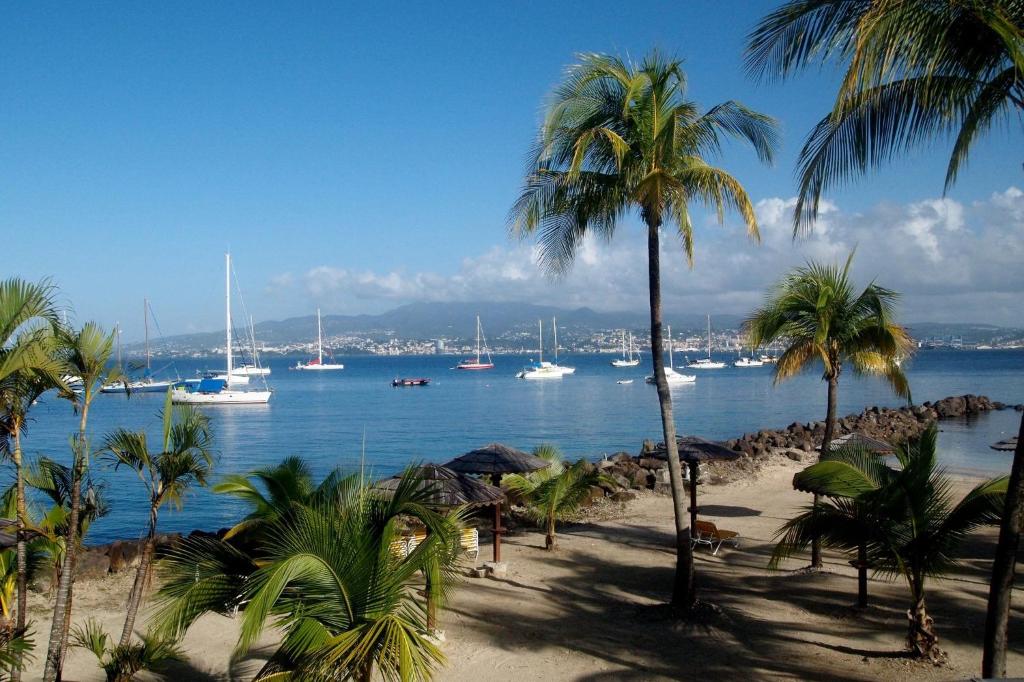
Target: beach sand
{"type": "Point", "coordinates": [592, 609]}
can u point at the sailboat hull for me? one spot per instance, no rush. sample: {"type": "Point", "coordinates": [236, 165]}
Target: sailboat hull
{"type": "Point", "coordinates": [225, 397]}
{"type": "Point", "coordinates": [319, 367]}
{"type": "Point", "coordinates": [625, 363]}
{"type": "Point", "coordinates": [475, 366]}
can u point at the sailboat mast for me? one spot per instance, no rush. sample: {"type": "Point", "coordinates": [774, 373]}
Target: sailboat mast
{"type": "Point", "coordinates": [709, 336]}
{"type": "Point", "coordinates": [478, 339]}
{"type": "Point", "coordinates": [671, 365]}
{"type": "Point", "coordinates": [540, 339]}
{"type": "Point", "coordinates": [319, 338]}
{"type": "Point", "coordinates": [227, 308]}
{"type": "Point", "coordinates": [145, 318]}
{"type": "Point", "coordinates": [252, 335]}
{"type": "Point", "coordinates": [554, 326]}
{"type": "Point", "coordinates": [117, 330]}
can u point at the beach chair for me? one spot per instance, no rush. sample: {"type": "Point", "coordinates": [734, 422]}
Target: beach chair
{"type": "Point", "coordinates": [707, 533]}
{"type": "Point", "coordinates": [399, 548]}
{"type": "Point", "coordinates": [469, 541]}
{"type": "Point", "coordinates": [418, 536]}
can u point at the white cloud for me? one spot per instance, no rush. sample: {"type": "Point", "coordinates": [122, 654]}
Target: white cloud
{"type": "Point", "coordinates": [949, 260]}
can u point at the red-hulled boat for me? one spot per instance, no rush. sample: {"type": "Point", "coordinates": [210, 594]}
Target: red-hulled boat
{"type": "Point", "coordinates": [477, 363]}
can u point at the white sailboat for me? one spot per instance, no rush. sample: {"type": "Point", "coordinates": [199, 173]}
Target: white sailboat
{"type": "Point", "coordinates": [218, 390]}
{"type": "Point", "coordinates": [317, 363]}
{"type": "Point", "coordinates": [253, 369]}
{"type": "Point", "coordinates": [543, 369]}
{"type": "Point", "coordinates": [673, 377]}
{"type": "Point", "coordinates": [706, 363]}
{"type": "Point", "coordinates": [147, 384]}
{"type": "Point", "coordinates": [627, 359]}
{"type": "Point", "coordinates": [478, 364]}
{"type": "Point", "coordinates": [745, 361]}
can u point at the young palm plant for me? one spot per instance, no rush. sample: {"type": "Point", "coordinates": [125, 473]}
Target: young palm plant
{"type": "Point", "coordinates": [28, 367]}
{"type": "Point", "coordinates": [818, 313]}
{"type": "Point", "coordinates": [120, 663]}
{"type": "Point", "coordinates": [556, 492]}
{"type": "Point", "coordinates": [916, 526]}
{"type": "Point", "coordinates": [622, 137]}
{"type": "Point", "coordinates": [327, 576]}
{"type": "Point", "coordinates": [270, 492]}
{"type": "Point", "coordinates": [184, 459]}
{"type": "Point", "coordinates": [87, 354]}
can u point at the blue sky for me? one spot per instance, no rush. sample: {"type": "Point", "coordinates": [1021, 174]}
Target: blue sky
{"type": "Point", "coordinates": [361, 157]}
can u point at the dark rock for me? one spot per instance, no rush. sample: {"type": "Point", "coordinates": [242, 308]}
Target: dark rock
{"type": "Point", "coordinates": [647, 446]}
{"type": "Point", "coordinates": [652, 463]}
{"type": "Point", "coordinates": [93, 564]}
{"type": "Point", "coordinates": [622, 457]}
{"type": "Point", "coordinates": [795, 455]}
{"type": "Point", "coordinates": [124, 555]}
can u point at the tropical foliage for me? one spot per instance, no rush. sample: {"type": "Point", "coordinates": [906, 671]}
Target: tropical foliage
{"type": "Point", "coordinates": [915, 71]}
{"type": "Point", "coordinates": [621, 137]}
{"type": "Point", "coordinates": [120, 663]}
{"type": "Point", "coordinates": [818, 313]}
{"type": "Point", "coordinates": [183, 460]}
{"type": "Point", "coordinates": [327, 574]}
{"type": "Point", "coordinates": [271, 492]}
{"type": "Point", "coordinates": [903, 520]}
{"type": "Point", "coordinates": [555, 492]}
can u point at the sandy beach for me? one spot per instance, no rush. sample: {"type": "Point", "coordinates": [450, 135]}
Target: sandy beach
{"type": "Point", "coordinates": [591, 609]}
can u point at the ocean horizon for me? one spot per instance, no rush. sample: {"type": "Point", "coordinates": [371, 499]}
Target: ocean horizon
{"type": "Point", "coordinates": [355, 419]}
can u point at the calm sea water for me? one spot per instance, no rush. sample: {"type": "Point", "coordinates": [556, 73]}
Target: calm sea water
{"type": "Point", "coordinates": [324, 417]}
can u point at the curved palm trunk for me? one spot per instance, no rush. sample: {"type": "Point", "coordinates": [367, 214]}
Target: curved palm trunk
{"type": "Point", "coordinates": [22, 551]}
{"type": "Point", "coordinates": [993, 662]}
{"type": "Point", "coordinates": [830, 429]}
{"type": "Point", "coordinates": [62, 607]}
{"type": "Point", "coordinates": [683, 589]}
{"type": "Point", "coordinates": [549, 535]}
{"type": "Point", "coordinates": [135, 598]}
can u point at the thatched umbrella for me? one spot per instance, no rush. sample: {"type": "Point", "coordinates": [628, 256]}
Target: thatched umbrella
{"type": "Point", "coordinates": [496, 460]}
{"type": "Point", "coordinates": [693, 451]}
{"type": "Point", "coordinates": [446, 489]}
{"type": "Point", "coordinates": [1007, 445]}
{"type": "Point", "coordinates": [862, 441]}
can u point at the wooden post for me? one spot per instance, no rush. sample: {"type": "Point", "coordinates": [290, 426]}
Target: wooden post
{"type": "Point", "coordinates": [693, 499]}
{"type": "Point", "coordinates": [497, 532]}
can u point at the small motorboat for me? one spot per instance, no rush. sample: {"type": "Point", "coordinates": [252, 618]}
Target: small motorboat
{"type": "Point", "coordinates": [624, 381]}
{"type": "Point", "coordinates": [410, 382]}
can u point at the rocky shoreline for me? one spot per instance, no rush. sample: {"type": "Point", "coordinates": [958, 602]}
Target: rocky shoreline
{"type": "Point", "coordinates": [648, 471]}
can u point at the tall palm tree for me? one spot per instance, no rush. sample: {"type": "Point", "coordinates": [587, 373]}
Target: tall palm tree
{"type": "Point", "coordinates": [329, 579]}
{"type": "Point", "coordinates": [916, 71]}
{"type": "Point", "coordinates": [620, 137]}
{"type": "Point", "coordinates": [817, 311]}
{"type": "Point", "coordinates": [87, 353]}
{"type": "Point", "coordinates": [184, 459]}
{"type": "Point", "coordinates": [28, 367]}
{"type": "Point", "coordinates": [554, 492]}
{"type": "Point", "coordinates": [917, 528]}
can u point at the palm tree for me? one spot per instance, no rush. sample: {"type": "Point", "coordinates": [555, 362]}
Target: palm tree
{"type": "Point", "coordinates": [184, 460]}
{"type": "Point", "coordinates": [819, 314]}
{"type": "Point", "coordinates": [120, 663]}
{"type": "Point", "coordinates": [621, 137]}
{"type": "Point", "coordinates": [917, 526]}
{"type": "Point", "coordinates": [28, 366]}
{"type": "Point", "coordinates": [915, 71]}
{"type": "Point", "coordinates": [87, 354]}
{"type": "Point", "coordinates": [270, 492]}
{"type": "Point", "coordinates": [329, 579]}
{"type": "Point", "coordinates": [555, 492]}
{"type": "Point", "coordinates": [851, 520]}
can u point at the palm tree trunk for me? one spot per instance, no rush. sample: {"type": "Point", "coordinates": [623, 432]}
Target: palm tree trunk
{"type": "Point", "coordinates": [22, 551]}
{"type": "Point", "coordinates": [993, 661]}
{"type": "Point", "coordinates": [830, 429]}
{"type": "Point", "coordinates": [62, 607]}
{"type": "Point", "coordinates": [549, 536]}
{"type": "Point", "coordinates": [683, 589]}
{"type": "Point", "coordinates": [135, 598]}
{"type": "Point", "coordinates": [921, 639]}
{"type": "Point", "coordinates": [862, 575]}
